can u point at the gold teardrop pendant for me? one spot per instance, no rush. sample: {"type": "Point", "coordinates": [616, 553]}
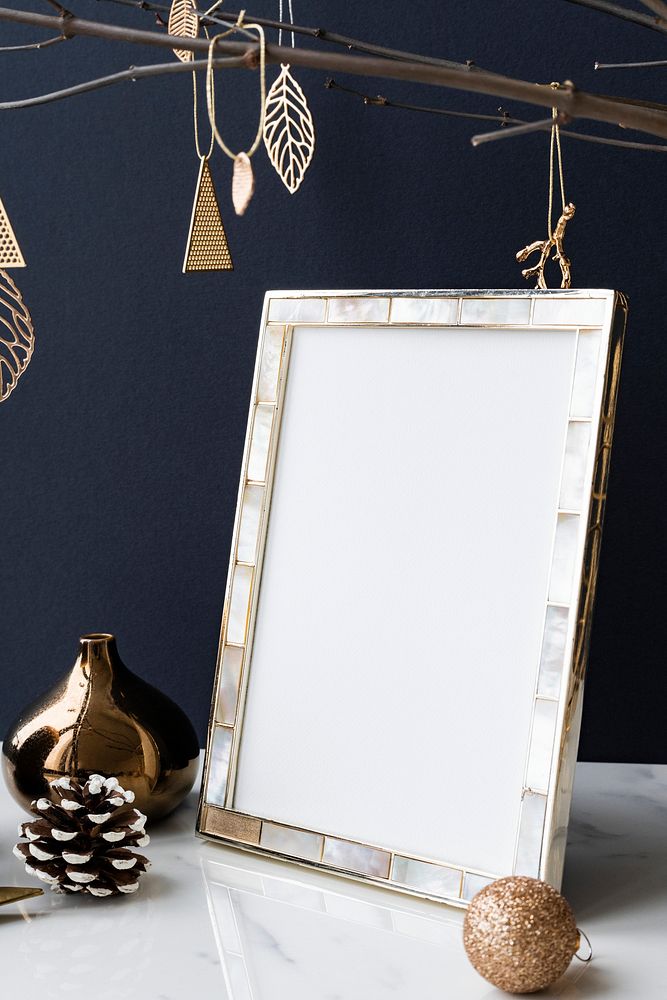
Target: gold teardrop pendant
{"type": "Point", "coordinates": [243, 183]}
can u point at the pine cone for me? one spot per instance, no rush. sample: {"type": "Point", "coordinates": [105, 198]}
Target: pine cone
{"type": "Point", "coordinates": [75, 844]}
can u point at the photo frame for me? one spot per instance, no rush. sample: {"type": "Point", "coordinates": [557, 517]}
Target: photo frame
{"type": "Point", "coordinates": [399, 681]}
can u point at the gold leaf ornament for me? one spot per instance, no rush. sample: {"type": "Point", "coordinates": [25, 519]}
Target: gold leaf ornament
{"type": "Point", "coordinates": [184, 23]}
{"type": "Point", "coordinates": [17, 335]}
{"type": "Point", "coordinates": [289, 130]}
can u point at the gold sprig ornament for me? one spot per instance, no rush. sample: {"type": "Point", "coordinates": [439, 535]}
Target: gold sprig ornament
{"type": "Point", "coordinates": [554, 240]}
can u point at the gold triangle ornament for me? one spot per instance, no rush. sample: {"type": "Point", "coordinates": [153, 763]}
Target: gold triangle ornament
{"type": "Point", "coordinates": [10, 251]}
{"type": "Point", "coordinates": [207, 248]}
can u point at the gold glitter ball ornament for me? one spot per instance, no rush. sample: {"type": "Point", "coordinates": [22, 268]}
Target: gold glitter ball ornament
{"type": "Point", "coordinates": [520, 934]}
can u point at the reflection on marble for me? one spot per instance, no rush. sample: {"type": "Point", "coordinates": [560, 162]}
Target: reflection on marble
{"type": "Point", "coordinates": [290, 934]}
{"type": "Point", "coordinates": [286, 935]}
{"type": "Point", "coordinates": [315, 938]}
{"type": "Point", "coordinates": [257, 929]}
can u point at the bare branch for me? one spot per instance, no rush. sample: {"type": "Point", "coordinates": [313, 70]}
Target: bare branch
{"type": "Point", "coordinates": [574, 103]}
{"type": "Point", "coordinates": [631, 65]}
{"type": "Point", "coordinates": [321, 34]}
{"type": "Point", "coordinates": [132, 73]}
{"type": "Point", "coordinates": [34, 45]}
{"type": "Point", "coordinates": [542, 125]}
{"type": "Point", "coordinates": [615, 10]}
{"type": "Point", "coordinates": [385, 102]}
{"type": "Point", "coordinates": [503, 120]}
{"type": "Point", "coordinates": [545, 125]}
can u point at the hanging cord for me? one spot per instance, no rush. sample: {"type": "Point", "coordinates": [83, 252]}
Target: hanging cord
{"type": "Point", "coordinates": [210, 85]}
{"type": "Point", "coordinates": [280, 17]}
{"type": "Point", "coordinates": [555, 142]}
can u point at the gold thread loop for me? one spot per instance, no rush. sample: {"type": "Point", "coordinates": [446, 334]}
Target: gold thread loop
{"type": "Point", "coordinates": [210, 92]}
{"type": "Point", "coordinates": [586, 938]}
{"type": "Point", "coordinates": [195, 115]}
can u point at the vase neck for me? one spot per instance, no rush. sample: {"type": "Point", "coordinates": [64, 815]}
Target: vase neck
{"type": "Point", "coordinates": [98, 656]}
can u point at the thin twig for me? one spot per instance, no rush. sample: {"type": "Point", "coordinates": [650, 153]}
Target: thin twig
{"type": "Point", "coordinates": [503, 120]}
{"type": "Point", "coordinates": [546, 124]}
{"type": "Point", "coordinates": [615, 10]}
{"type": "Point", "coordinates": [631, 65]}
{"type": "Point", "coordinates": [34, 45]}
{"type": "Point", "coordinates": [600, 140]}
{"type": "Point", "coordinates": [132, 73]}
{"type": "Point", "coordinates": [385, 102]}
{"type": "Point", "coordinates": [516, 130]}
{"type": "Point", "coordinates": [368, 99]}
{"type": "Point", "coordinates": [321, 34]}
{"type": "Point", "coordinates": [574, 103]}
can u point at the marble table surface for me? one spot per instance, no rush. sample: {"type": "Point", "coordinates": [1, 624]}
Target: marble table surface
{"type": "Point", "coordinates": [211, 922]}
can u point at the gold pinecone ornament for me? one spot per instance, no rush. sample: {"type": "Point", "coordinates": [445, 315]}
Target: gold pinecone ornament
{"type": "Point", "coordinates": [520, 934]}
{"type": "Point", "coordinates": [84, 838]}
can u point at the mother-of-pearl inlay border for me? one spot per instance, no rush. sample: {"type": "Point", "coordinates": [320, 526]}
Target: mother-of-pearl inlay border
{"type": "Point", "coordinates": [598, 320]}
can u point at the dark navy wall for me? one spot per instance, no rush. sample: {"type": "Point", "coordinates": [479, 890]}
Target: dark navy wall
{"type": "Point", "coordinates": [121, 445]}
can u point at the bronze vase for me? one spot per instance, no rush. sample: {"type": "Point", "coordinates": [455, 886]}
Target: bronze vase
{"type": "Point", "coordinates": [101, 718]}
